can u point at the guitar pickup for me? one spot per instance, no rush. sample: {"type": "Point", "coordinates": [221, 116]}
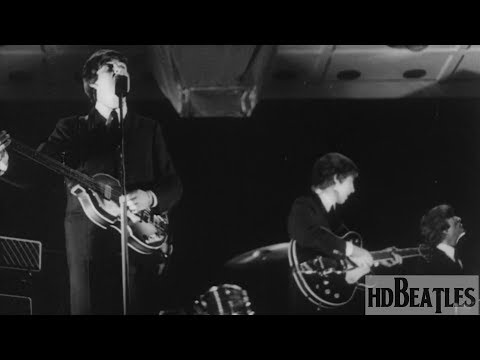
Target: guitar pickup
{"type": "Point", "coordinates": [108, 192]}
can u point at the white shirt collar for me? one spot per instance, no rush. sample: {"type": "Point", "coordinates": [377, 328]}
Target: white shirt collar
{"type": "Point", "coordinates": [327, 202]}
{"type": "Point", "coordinates": [448, 250]}
{"type": "Point", "coordinates": [105, 111]}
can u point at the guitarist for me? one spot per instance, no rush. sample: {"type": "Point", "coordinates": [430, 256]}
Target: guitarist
{"type": "Point", "coordinates": [312, 222]}
{"type": "Point", "coordinates": [91, 145]}
{"type": "Point", "coordinates": [441, 230]}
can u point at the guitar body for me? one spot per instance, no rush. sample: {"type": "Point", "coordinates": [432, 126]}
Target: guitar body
{"type": "Point", "coordinates": [322, 279]}
{"type": "Point", "coordinates": [99, 198]}
{"type": "Point", "coordinates": [148, 233]}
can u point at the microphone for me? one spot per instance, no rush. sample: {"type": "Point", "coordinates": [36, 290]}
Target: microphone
{"type": "Point", "coordinates": [121, 85]}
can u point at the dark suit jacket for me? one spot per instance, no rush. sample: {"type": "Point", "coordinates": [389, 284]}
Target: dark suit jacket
{"type": "Point", "coordinates": [312, 228]}
{"type": "Point", "coordinates": [439, 264]}
{"type": "Point", "coordinates": [90, 147]}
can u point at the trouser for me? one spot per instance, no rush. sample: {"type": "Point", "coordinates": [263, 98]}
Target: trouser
{"type": "Point", "coordinates": [95, 271]}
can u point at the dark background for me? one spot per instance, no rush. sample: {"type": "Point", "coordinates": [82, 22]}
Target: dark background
{"type": "Point", "coordinates": [240, 177]}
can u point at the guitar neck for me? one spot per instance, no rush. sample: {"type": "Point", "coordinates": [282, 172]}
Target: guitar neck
{"type": "Point", "coordinates": [54, 165]}
{"type": "Point", "coordinates": [404, 253]}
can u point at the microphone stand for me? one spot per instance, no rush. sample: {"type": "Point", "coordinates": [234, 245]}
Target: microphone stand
{"type": "Point", "coordinates": [121, 88]}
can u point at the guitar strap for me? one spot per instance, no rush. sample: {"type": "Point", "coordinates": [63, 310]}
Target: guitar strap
{"type": "Point", "coordinates": [78, 153]}
{"type": "Point", "coordinates": [328, 230]}
{"type": "Point", "coordinates": [73, 157]}
{"type": "Point", "coordinates": [343, 229]}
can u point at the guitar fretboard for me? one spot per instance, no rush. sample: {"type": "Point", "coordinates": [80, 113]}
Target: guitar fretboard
{"type": "Point", "coordinates": [60, 168]}
{"type": "Point", "coordinates": [404, 253]}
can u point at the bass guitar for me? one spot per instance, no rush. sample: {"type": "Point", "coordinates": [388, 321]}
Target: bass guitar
{"type": "Point", "coordinates": [321, 279]}
{"type": "Point", "coordinates": [99, 197]}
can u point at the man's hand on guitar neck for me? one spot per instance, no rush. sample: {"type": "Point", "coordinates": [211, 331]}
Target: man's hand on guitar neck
{"type": "Point", "coordinates": [363, 258]}
{"type": "Point", "coordinates": [396, 260]}
{"type": "Point", "coordinates": [4, 142]}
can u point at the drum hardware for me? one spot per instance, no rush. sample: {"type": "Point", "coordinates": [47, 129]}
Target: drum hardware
{"type": "Point", "coordinates": [225, 299]}
{"type": "Point", "coordinates": [263, 255]}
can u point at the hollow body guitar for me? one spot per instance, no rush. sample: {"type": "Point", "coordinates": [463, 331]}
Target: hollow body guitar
{"type": "Point", "coordinates": [99, 197]}
{"type": "Point", "coordinates": [321, 279]}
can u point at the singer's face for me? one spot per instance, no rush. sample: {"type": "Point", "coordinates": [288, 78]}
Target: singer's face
{"type": "Point", "coordinates": [455, 230]}
{"type": "Point", "coordinates": [105, 84]}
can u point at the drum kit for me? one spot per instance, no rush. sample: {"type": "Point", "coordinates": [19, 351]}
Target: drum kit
{"type": "Point", "coordinates": [231, 299]}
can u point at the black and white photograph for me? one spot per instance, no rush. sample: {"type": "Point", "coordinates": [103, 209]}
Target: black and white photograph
{"type": "Point", "coordinates": [185, 180]}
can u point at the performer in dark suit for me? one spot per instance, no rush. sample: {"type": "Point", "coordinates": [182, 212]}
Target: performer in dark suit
{"type": "Point", "coordinates": [441, 230]}
{"type": "Point", "coordinates": [91, 144]}
{"type": "Point", "coordinates": [312, 222]}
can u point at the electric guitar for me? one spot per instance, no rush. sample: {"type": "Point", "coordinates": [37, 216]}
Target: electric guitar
{"type": "Point", "coordinates": [322, 280]}
{"type": "Point", "coordinates": [99, 197]}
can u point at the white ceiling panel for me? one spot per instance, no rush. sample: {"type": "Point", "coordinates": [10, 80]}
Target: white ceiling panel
{"type": "Point", "coordinates": [296, 71]}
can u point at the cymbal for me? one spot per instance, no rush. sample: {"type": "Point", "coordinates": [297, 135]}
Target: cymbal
{"type": "Point", "coordinates": [261, 255]}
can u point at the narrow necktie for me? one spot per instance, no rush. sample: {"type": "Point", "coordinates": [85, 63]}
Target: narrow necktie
{"type": "Point", "coordinates": [114, 127]}
{"type": "Point", "coordinates": [114, 123]}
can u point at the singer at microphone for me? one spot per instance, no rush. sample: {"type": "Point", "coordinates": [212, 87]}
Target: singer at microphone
{"type": "Point", "coordinates": [93, 252]}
